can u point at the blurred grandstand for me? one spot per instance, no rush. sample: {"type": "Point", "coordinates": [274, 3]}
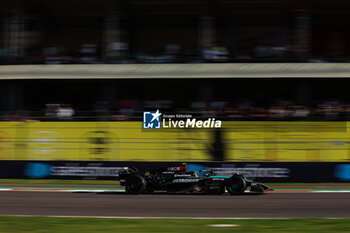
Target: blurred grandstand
{"type": "Point", "coordinates": [131, 110]}
{"type": "Point", "coordinates": [234, 99]}
{"type": "Point", "coordinates": [71, 61]}
{"type": "Point", "coordinates": [173, 31]}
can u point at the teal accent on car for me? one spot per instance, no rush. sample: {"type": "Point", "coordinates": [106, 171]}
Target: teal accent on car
{"type": "Point", "coordinates": [166, 183]}
{"type": "Point", "coordinates": [227, 177]}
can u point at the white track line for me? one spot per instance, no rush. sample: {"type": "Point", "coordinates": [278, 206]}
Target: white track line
{"type": "Point", "coordinates": [330, 191]}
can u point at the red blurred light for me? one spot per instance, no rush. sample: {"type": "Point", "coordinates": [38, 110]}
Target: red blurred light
{"type": "Point", "coordinates": [300, 10]}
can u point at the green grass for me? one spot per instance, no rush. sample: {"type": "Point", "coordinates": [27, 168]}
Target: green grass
{"type": "Point", "coordinates": [86, 225]}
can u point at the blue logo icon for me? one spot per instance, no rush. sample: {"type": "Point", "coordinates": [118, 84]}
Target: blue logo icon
{"type": "Point", "coordinates": [343, 172]}
{"type": "Point", "coordinates": [37, 170]}
{"type": "Point", "coordinates": [151, 120]}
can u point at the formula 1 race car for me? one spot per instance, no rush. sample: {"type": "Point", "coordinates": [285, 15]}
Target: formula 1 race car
{"type": "Point", "coordinates": [177, 180]}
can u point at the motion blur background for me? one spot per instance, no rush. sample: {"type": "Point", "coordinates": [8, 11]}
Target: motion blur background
{"type": "Point", "coordinates": [138, 31]}
{"type": "Point", "coordinates": [54, 113]}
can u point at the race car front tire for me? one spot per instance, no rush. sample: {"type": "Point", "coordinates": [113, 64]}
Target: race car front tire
{"type": "Point", "coordinates": [135, 185]}
{"type": "Point", "coordinates": [236, 185]}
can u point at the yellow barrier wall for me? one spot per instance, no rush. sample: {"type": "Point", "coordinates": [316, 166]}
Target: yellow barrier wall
{"type": "Point", "coordinates": [127, 141]}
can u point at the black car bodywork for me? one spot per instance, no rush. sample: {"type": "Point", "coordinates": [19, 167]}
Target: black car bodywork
{"type": "Point", "coordinates": [173, 182]}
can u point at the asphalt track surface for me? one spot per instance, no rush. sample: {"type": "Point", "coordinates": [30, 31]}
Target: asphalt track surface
{"type": "Point", "coordinates": [269, 205]}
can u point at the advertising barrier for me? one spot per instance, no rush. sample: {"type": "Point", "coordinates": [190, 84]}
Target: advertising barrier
{"type": "Point", "coordinates": [128, 141]}
{"type": "Point", "coordinates": [108, 170]}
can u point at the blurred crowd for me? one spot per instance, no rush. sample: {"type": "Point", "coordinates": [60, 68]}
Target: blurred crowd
{"type": "Point", "coordinates": [90, 53]}
{"type": "Point", "coordinates": [245, 110]}
{"type": "Point", "coordinates": [167, 31]}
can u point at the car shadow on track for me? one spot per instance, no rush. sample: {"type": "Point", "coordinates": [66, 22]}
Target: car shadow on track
{"type": "Point", "coordinates": [178, 194]}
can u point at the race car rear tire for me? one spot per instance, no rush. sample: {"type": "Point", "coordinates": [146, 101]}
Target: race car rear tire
{"type": "Point", "coordinates": [236, 185]}
{"type": "Point", "coordinates": [135, 185]}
